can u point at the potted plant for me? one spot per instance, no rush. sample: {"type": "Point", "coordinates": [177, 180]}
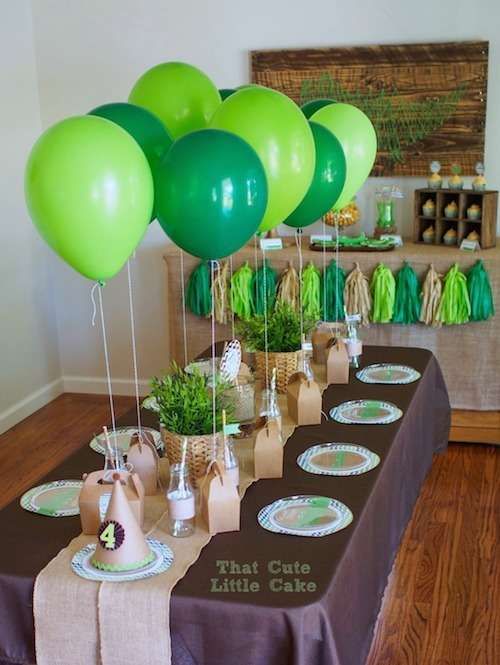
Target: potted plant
{"type": "Point", "coordinates": [283, 343]}
{"type": "Point", "coordinates": [184, 404]}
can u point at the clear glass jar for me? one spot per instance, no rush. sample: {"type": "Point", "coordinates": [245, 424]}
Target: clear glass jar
{"type": "Point", "coordinates": [353, 341]}
{"type": "Point", "coordinates": [181, 503]}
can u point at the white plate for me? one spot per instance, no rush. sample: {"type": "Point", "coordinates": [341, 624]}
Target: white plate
{"type": "Point", "coordinates": [305, 515]}
{"type": "Point", "coordinates": [365, 412]}
{"type": "Point", "coordinates": [338, 459]}
{"type": "Point", "coordinates": [388, 374]}
{"type": "Point", "coordinates": [82, 566]}
{"type": "Point", "coordinates": [56, 499]}
{"type": "Point", "coordinates": [123, 436]}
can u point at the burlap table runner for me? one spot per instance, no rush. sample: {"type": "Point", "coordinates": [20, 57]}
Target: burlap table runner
{"type": "Point", "coordinates": [82, 622]}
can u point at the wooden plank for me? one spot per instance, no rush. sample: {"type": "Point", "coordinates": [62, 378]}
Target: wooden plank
{"type": "Point", "coordinates": [427, 101]}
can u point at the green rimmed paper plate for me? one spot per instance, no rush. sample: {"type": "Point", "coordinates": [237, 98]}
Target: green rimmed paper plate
{"type": "Point", "coordinates": [338, 459]}
{"type": "Point", "coordinates": [56, 499]}
{"type": "Point", "coordinates": [365, 412]}
{"type": "Point", "coordinates": [388, 374]}
{"type": "Point", "coordinates": [305, 515]}
{"type": "Point", "coordinates": [123, 436]}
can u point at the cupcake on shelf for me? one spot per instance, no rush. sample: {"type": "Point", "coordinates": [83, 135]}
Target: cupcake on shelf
{"type": "Point", "coordinates": [473, 236]}
{"type": "Point", "coordinates": [474, 212]}
{"type": "Point", "coordinates": [451, 210]}
{"type": "Point", "coordinates": [455, 180]}
{"type": "Point", "coordinates": [479, 182]}
{"type": "Point", "coordinates": [429, 208]}
{"type": "Point", "coordinates": [435, 181]}
{"type": "Point", "coordinates": [429, 235]}
{"type": "Point", "coordinates": [450, 237]}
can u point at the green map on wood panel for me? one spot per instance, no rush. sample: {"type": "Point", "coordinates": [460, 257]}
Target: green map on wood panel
{"type": "Point", "coordinates": [399, 123]}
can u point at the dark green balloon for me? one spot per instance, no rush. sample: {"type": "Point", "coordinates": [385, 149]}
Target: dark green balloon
{"type": "Point", "coordinates": [143, 126]}
{"type": "Point", "coordinates": [314, 105]}
{"type": "Point", "coordinates": [328, 179]}
{"type": "Point", "coordinates": [226, 92]}
{"type": "Point", "coordinates": [212, 193]}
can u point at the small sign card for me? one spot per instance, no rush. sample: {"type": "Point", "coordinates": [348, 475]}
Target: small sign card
{"type": "Point", "coordinates": [271, 243]}
{"type": "Point", "coordinates": [469, 245]}
{"type": "Point", "coordinates": [322, 238]}
{"type": "Point", "coordinates": [396, 239]}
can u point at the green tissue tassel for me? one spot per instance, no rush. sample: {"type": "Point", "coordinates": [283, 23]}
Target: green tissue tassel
{"type": "Point", "coordinates": [258, 281]}
{"type": "Point", "coordinates": [407, 303]}
{"type": "Point", "coordinates": [454, 307]}
{"type": "Point", "coordinates": [199, 293]}
{"type": "Point", "coordinates": [241, 292]}
{"type": "Point", "coordinates": [480, 296]}
{"type": "Point", "coordinates": [311, 287]}
{"type": "Point", "coordinates": [332, 293]}
{"type": "Point", "coordinates": [383, 288]}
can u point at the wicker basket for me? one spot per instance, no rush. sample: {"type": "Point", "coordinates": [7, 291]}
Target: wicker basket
{"type": "Point", "coordinates": [199, 451]}
{"type": "Point", "coordinates": [286, 364]}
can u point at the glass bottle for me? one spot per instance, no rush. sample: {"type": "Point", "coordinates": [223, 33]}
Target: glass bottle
{"type": "Point", "coordinates": [180, 500]}
{"type": "Point", "coordinates": [231, 461]}
{"type": "Point", "coordinates": [353, 342]}
{"type": "Point", "coordinates": [305, 366]}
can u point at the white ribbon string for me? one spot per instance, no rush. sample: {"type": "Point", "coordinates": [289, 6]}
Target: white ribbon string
{"type": "Point", "coordinates": [94, 306]}
{"type": "Point", "coordinates": [108, 374]}
{"type": "Point", "coordinates": [183, 296]}
{"type": "Point", "coordinates": [298, 242]}
{"type": "Point", "coordinates": [214, 382]}
{"type": "Point", "coordinates": [338, 267]}
{"type": "Point", "coordinates": [324, 271]}
{"type": "Point", "coordinates": [134, 350]}
{"type": "Point", "coordinates": [230, 300]}
{"type": "Point", "coordinates": [255, 260]}
{"type": "Point", "coordinates": [266, 343]}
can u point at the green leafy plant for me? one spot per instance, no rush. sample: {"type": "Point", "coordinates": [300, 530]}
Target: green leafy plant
{"type": "Point", "coordinates": [183, 401]}
{"type": "Point", "coordinates": [283, 330]}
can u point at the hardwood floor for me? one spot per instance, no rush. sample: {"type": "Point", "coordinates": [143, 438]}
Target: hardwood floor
{"type": "Point", "coordinates": [441, 605]}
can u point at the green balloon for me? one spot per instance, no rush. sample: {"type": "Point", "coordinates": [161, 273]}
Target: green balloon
{"type": "Point", "coordinates": [310, 108]}
{"type": "Point", "coordinates": [328, 179]}
{"type": "Point", "coordinates": [280, 134]}
{"type": "Point", "coordinates": [226, 92]}
{"type": "Point", "coordinates": [143, 126]}
{"type": "Point", "coordinates": [358, 139]}
{"type": "Point", "coordinates": [212, 193]}
{"type": "Point", "coordinates": [181, 95]}
{"type": "Point", "coordinates": [89, 192]}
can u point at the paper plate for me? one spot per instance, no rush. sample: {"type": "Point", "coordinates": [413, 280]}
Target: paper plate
{"type": "Point", "coordinates": [366, 412]}
{"type": "Point", "coordinates": [163, 560]}
{"type": "Point", "coordinates": [338, 459]}
{"type": "Point", "coordinates": [56, 499]}
{"type": "Point", "coordinates": [388, 374]}
{"type": "Point", "coordinates": [305, 515]}
{"type": "Point", "coordinates": [123, 435]}
{"type": "Point", "coordinates": [231, 360]}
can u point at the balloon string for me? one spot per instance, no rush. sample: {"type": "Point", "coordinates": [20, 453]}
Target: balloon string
{"type": "Point", "coordinates": [214, 381]}
{"type": "Point", "coordinates": [94, 306]}
{"type": "Point", "coordinates": [337, 270]}
{"type": "Point", "coordinates": [108, 374]}
{"type": "Point", "coordinates": [298, 242]}
{"type": "Point", "coordinates": [255, 252]}
{"type": "Point", "coordinates": [324, 271]}
{"type": "Point", "coordinates": [183, 296]}
{"type": "Point", "coordinates": [266, 343]}
{"type": "Point", "coordinates": [134, 350]}
{"type": "Point", "coordinates": [230, 301]}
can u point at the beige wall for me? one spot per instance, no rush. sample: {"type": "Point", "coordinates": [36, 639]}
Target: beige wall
{"type": "Point", "coordinates": [29, 359]}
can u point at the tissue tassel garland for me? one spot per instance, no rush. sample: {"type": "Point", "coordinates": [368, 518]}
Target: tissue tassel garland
{"type": "Point", "coordinates": [288, 287]}
{"type": "Point", "coordinates": [407, 301]}
{"type": "Point", "coordinates": [332, 292]}
{"type": "Point", "coordinates": [431, 297]}
{"type": "Point", "coordinates": [241, 292]}
{"type": "Point", "coordinates": [219, 291]}
{"type": "Point", "coordinates": [383, 288]}
{"type": "Point", "coordinates": [357, 297]}
{"type": "Point", "coordinates": [480, 295]}
{"type": "Point", "coordinates": [455, 305]}
{"type": "Point", "coordinates": [198, 295]}
{"type": "Point", "coordinates": [311, 287]}
{"type": "Point", "coordinates": [264, 288]}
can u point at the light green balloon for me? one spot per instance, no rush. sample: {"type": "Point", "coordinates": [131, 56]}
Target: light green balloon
{"type": "Point", "coordinates": [358, 139]}
{"type": "Point", "coordinates": [89, 192]}
{"type": "Point", "coordinates": [279, 133]}
{"type": "Point", "coordinates": [182, 96]}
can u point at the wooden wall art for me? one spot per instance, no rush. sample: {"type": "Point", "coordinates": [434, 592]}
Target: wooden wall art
{"type": "Point", "coordinates": [426, 101]}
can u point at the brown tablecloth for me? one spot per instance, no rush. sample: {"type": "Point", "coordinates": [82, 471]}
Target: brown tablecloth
{"type": "Point", "coordinates": [330, 625]}
{"type": "Point", "coordinates": [469, 354]}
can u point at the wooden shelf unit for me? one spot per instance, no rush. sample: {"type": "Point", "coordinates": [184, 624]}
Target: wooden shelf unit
{"type": "Point", "coordinates": [485, 226]}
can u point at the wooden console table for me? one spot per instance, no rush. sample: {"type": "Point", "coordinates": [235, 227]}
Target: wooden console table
{"type": "Point", "coordinates": [469, 354]}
